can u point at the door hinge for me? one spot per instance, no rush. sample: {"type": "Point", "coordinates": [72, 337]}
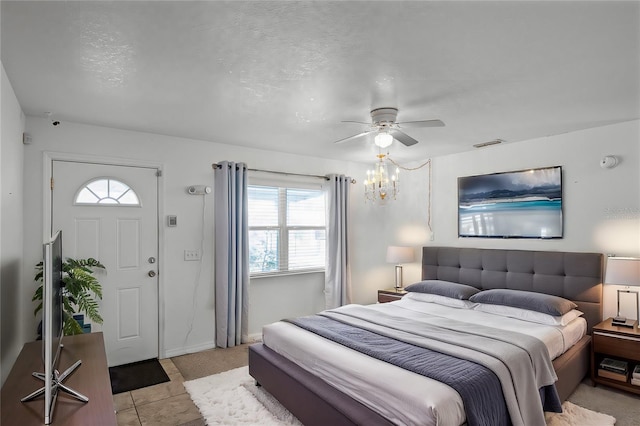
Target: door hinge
{"type": "Point", "coordinates": [158, 173]}
{"type": "Point", "coordinates": [52, 184]}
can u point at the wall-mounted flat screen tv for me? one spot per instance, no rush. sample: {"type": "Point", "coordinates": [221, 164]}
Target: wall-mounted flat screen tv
{"type": "Point", "coordinates": [518, 204]}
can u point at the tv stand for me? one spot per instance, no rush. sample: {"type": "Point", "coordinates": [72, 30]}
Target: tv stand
{"type": "Point", "coordinates": [57, 384]}
{"type": "Point", "coordinates": [92, 380]}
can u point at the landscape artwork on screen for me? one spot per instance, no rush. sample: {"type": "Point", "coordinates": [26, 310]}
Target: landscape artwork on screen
{"type": "Point", "coordinates": [519, 204]}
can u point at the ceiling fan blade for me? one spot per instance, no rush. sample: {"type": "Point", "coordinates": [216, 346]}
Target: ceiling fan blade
{"type": "Point", "coordinates": [356, 122]}
{"type": "Point", "coordinates": [422, 123]}
{"type": "Point", "coordinates": [403, 138]}
{"type": "Point", "coordinates": [354, 136]}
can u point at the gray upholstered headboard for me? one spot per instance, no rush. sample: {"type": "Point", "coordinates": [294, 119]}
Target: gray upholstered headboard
{"type": "Point", "coordinates": [574, 276]}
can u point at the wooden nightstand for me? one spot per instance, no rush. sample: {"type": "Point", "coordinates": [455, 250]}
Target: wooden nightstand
{"type": "Point", "coordinates": [390, 294]}
{"type": "Point", "coordinates": [620, 343]}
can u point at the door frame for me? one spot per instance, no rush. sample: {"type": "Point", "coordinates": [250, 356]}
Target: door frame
{"type": "Point", "coordinates": [48, 157]}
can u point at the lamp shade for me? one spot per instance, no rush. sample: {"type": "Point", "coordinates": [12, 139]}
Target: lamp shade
{"type": "Point", "coordinates": [623, 271]}
{"type": "Point", "coordinates": [398, 255]}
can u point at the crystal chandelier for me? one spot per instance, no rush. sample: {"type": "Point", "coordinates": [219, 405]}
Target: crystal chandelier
{"type": "Point", "coordinates": [379, 185]}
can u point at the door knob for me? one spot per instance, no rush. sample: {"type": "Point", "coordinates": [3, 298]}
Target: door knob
{"type": "Point", "coordinates": [151, 274]}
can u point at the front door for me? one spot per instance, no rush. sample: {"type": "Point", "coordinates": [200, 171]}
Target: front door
{"type": "Point", "coordinates": [110, 213]}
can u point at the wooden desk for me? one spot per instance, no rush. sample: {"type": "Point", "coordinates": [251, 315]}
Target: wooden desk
{"type": "Point", "coordinates": [90, 379]}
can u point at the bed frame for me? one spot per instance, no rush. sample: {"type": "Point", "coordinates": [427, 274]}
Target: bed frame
{"type": "Point", "coordinates": [574, 276]}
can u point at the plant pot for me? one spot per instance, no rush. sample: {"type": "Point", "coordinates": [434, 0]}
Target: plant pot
{"type": "Point", "coordinates": [79, 319]}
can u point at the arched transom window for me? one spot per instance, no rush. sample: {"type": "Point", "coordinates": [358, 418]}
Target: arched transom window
{"type": "Point", "coordinates": [107, 192]}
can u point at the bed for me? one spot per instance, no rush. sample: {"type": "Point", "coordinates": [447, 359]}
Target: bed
{"type": "Point", "coordinates": [317, 400]}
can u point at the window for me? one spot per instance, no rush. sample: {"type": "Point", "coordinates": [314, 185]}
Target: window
{"type": "Point", "coordinates": [287, 230]}
{"type": "Point", "coordinates": [106, 192]}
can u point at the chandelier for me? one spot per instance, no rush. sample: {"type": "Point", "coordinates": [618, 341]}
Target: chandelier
{"type": "Point", "coordinates": [379, 185]}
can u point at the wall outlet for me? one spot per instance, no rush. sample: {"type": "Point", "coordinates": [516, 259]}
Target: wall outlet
{"type": "Point", "coordinates": [192, 255]}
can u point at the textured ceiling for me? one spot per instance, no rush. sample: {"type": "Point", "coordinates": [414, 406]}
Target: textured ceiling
{"type": "Point", "coordinates": [283, 75]}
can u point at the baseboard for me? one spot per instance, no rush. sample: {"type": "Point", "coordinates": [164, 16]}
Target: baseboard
{"type": "Point", "coordinates": [254, 338]}
{"type": "Point", "coordinates": [251, 338]}
{"type": "Point", "coordinates": [189, 350]}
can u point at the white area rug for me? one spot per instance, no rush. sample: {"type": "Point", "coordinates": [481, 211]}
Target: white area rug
{"type": "Point", "coordinates": [232, 398]}
{"type": "Point", "coordinates": [574, 415]}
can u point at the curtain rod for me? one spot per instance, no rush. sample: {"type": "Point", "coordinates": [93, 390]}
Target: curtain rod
{"type": "Point", "coordinates": [216, 165]}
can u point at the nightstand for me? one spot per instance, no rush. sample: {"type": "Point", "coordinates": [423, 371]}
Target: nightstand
{"type": "Point", "coordinates": [619, 343]}
{"type": "Point", "coordinates": [390, 294]}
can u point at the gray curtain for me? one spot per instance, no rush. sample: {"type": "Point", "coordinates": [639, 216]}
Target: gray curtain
{"type": "Point", "coordinates": [337, 287]}
{"type": "Point", "coordinates": [231, 253]}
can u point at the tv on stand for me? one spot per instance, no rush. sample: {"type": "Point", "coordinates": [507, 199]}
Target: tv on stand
{"type": "Point", "coordinates": [52, 330]}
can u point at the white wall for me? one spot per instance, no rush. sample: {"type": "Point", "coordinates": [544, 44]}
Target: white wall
{"type": "Point", "coordinates": [185, 162]}
{"type": "Point", "coordinates": [402, 222]}
{"type": "Point", "coordinates": [592, 198]}
{"type": "Point", "coordinates": [276, 295]}
{"type": "Point", "coordinates": [601, 206]}
{"type": "Point", "coordinates": [591, 194]}
{"type": "Point", "coordinates": [12, 304]}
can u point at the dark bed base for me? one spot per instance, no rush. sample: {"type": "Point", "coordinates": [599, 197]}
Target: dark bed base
{"type": "Point", "coordinates": [307, 397]}
{"type": "Point", "coordinates": [575, 276]}
{"type": "Point", "coordinates": [314, 402]}
{"type": "Point", "coordinates": [572, 366]}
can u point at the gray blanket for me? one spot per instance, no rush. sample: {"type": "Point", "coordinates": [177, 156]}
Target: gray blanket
{"type": "Point", "coordinates": [520, 362]}
{"type": "Point", "coordinates": [478, 386]}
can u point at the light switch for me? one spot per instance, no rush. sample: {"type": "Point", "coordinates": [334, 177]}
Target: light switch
{"type": "Point", "coordinates": [192, 255]}
{"type": "Point", "coordinates": [172, 220]}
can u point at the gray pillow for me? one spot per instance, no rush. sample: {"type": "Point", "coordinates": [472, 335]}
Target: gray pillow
{"type": "Point", "coordinates": [443, 288]}
{"type": "Point", "coordinates": [539, 302]}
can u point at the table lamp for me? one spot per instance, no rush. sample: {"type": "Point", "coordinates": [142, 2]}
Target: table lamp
{"type": "Point", "coordinates": [399, 255]}
{"type": "Point", "coordinates": [624, 271]}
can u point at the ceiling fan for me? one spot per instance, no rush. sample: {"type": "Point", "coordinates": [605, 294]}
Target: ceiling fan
{"type": "Point", "coordinates": [384, 125]}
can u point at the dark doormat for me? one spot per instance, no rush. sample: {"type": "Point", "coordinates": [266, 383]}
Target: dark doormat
{"type": "Point", "coordinates": [136, 375]}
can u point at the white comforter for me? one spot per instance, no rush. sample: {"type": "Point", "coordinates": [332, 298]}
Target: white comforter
{"type": "Point", "coordinates": [397, 394]}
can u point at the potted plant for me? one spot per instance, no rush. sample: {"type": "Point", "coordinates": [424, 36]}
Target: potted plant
{"type": "Point", "coordinates": [80, 291]}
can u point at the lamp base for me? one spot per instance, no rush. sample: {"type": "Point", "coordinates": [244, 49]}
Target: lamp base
{"type": "Point", "coordinates": [623, 322]}
{"type": "Point", "coordinates": [398, 285]}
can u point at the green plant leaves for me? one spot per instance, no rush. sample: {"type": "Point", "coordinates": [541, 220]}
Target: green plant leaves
{"type": "Point", "coordinates": [71, 326]}
{"type": "Point", "coordinates": [80, 291]}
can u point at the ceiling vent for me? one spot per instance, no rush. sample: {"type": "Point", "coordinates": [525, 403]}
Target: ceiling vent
{"type": "Point", "coordinates": [483, 144]}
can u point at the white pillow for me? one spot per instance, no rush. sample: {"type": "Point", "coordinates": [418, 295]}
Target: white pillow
{"type": "Point", "coordinates": [440, 300]}
{"type": "Point", "coordinates": [526, 315]}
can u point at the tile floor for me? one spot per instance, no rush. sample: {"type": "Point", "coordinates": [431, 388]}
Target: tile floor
{"type": "Point", "coordinates": [165, 404]}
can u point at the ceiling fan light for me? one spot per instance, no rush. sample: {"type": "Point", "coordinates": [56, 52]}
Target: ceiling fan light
{"type": "Point", "coordinates": [383, 140]}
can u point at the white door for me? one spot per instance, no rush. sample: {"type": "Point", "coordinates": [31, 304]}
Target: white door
{"type": "Point", "coordinates": [110, 213]}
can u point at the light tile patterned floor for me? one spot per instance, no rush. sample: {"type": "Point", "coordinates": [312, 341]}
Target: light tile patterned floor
{"type": "Point", "coordinates": [165, 404]}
